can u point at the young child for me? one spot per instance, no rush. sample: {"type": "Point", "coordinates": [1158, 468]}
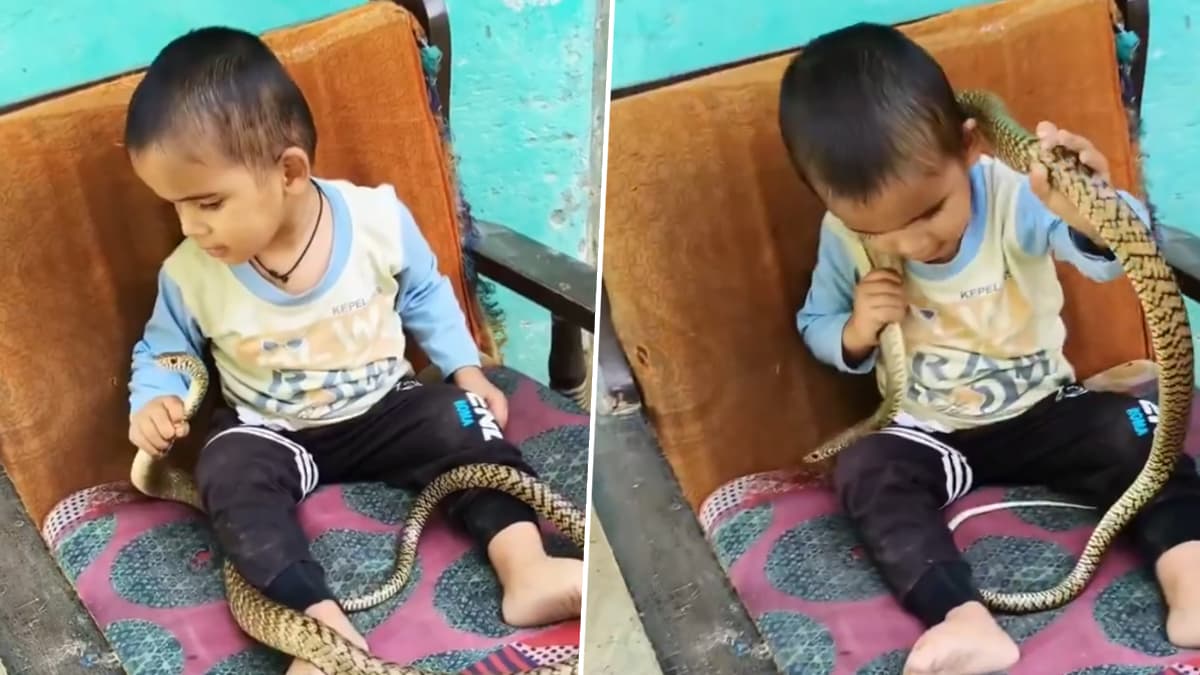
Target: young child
{"type": "Point", "coordinates": [302, 288]}
{"type": "Point", "coordinates": [872, 126]}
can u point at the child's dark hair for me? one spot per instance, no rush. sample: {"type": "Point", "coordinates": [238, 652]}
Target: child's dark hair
{"type": "Point", "coordinates": [858, 105]}
{"type": "Point", "coordinates": [224, 86]}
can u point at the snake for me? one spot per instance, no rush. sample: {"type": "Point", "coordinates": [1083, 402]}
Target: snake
{"type": "Point", "coordinates": [295, 633]}
{"type": "Point", "coordinates": [1134, 245]}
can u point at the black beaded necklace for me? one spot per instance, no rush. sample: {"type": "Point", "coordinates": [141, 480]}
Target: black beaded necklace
{"type": "Point", "coordinates": [283, 278]}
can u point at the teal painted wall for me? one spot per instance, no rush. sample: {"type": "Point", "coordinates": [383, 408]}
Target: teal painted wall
{"type": "Point", "coordinates": [523, 105]}
{"type": "Point", "coordinates": [1171, 120]}
{"type": "Point", "coordinates": [524, 114]}
{"type": "Point", "coordinates": [653, 39]}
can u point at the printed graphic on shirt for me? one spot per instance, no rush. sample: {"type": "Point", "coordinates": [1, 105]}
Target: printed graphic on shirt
{"type": "Point", "coordinates": [987, 289]}
{"type": "Point", "coordinates": [984, 353]}
{"type": "Point", "coordinates": [994, 318]}
{"type": "Point", "coordinates": [976, 384]}
{"type": "Point", "coordinates": [318, 369]}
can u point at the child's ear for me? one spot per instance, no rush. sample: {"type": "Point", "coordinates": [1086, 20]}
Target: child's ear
{"type": "Point", "coordinates": [296, 169]}
{"type": "Point", "coordinates": [973, 141]}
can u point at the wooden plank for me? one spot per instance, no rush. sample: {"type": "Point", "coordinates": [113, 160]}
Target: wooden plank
{"type": "Point", "coordinates": [689, 610]}
{"type": "Point", "coordinates": [615, 642]}
{"type": "Point", "coordinates": [43, 627]}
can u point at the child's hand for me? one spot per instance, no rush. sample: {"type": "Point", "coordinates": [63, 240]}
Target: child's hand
{"type": "Point", "coordinates": [157, 425]}
{"type": "Point", "coordinates": [1051, 137]}
{"type": "Point", "coordinates": [473, 380]}
{"type": "Point", "coordinates": [878, 301]}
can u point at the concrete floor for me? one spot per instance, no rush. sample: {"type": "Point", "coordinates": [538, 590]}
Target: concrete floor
{"type": "Point", "coordinates": [614, 642]}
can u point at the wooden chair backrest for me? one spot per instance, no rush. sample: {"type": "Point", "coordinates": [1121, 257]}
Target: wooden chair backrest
{"type": "Point", "coordinates": [83, 239]}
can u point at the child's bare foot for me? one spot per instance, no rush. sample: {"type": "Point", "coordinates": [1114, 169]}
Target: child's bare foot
{"type": "Point", "coordinates": [329, 613]}
{"type": "Point", "coordinates": [1178, 572]}
{"type": "Point", "coordinates": [538, 589]}
{"type": "Point", "coordinates": [549, 590]}
{"type": "Point", "coordinates": [968, 642]}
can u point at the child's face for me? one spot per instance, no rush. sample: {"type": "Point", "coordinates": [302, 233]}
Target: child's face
{"type": "Point", "coordinates": [230, 210]}
{"type": "Point", "coordinates": [921, 217]}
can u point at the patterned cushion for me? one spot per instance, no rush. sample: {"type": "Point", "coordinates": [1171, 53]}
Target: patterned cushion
{"type": "Point", "coordinates": [817, 600]}
{"type": "Point", "coordinates": [149, 571]}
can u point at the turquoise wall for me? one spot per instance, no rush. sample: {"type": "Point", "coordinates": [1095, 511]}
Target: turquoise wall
{"type": "Point", "coordinates": [653, 39]}
{"type": "Point", "coordinates": [523, 105]}
{"type": "Point", "coordinates": [524, 114]}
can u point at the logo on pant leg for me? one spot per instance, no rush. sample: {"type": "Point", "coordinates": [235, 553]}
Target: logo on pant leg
{"type": "Point", "coordinates": [1143, 417]}
{"type": "Point", "coordinates": [465, 417]}
{"type": "Point", "coordinates": [1070, 391]}
{"type": "Point", "coordinates": [475, 408]}
{"type": "Point", "coordinates": [407, 383]}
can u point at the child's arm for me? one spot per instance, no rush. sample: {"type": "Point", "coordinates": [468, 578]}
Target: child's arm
{"type": "Point", "coordinates": [827, 308]}
{"type": "Point", "coordinates": [1041, 232]}
{"type": "Point", "coordinates": [171, 328]}
{"type": "Point", "coordinates": [427, 304]}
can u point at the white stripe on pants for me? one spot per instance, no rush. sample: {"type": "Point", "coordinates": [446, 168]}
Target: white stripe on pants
{"type": "Point", "coordinates": [958, 473]}
{"type": "Point", "coordinates": [305, 466]}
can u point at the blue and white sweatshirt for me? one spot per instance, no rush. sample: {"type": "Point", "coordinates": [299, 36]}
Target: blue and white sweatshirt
{"type": "Point", "coordinates": [293, 361]}
{"type": "Point", "coordinates": [983, 332]}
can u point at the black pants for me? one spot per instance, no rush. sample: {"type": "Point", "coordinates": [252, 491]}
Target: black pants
{"type": "Point", "coordinates": [892, 484]}
{"type": "Point", "coordinates": [251, 478]}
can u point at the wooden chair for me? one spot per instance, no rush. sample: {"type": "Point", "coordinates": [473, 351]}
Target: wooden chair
{"type": "Point", "coordinates": [83, 239]}
{"type": "Point", "coordinates": [738, 561]}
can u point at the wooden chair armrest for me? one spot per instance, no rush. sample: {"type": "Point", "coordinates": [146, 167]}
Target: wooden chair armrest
{"type": "Point", "coordinates": [562, 284]}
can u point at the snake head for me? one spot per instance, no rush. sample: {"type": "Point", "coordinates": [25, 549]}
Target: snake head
{"type": "Point", "coordinates": [181, 362]}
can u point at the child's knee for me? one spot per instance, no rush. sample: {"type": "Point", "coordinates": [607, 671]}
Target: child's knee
{"type": "Point", "coordinates": [855, 463]}
{"type": "Point", "coordinates": [239, 469]}
{"type": "Point", "coordinates": [215, 462]}
{"type": "Point", "coordinates": [224, 471]}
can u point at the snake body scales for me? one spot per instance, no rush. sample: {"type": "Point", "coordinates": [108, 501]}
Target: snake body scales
{"type": "Point", "coordinates": [301, 636]}
{"type": "Point", "coordinates": [1154, 282]}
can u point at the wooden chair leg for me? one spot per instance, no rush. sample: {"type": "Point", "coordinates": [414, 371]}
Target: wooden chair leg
{"type": "Point", "coordinates": [569, 363]}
